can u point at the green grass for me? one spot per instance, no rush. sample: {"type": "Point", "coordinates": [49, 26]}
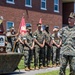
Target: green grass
{"type": "Point", "coordinates": [21, 64]}
{"type": "Point", "coordinates": [53, 73]}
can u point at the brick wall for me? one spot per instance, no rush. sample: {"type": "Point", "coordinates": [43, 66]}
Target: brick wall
{"type": "Point", "coordinates": [14, 12]}
{"type": "Point", "coordinates": [67, 9]}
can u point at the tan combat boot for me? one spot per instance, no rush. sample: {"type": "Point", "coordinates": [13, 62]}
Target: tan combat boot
{"type": "Point", "coordinates": [36, 68]}
{"type": "Point", "coordinates": [31, 68]}
{"type": "Point", "coordinates": [54, 65]}
{"type": "Point", "coordinates": [27, 69]}
{"type": "Point", "coordinates": [41, 67]}
{"type": "Point", "coordinates": [48, 65]}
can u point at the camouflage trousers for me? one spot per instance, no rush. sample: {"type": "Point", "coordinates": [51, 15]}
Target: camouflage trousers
{"type": "Point", "coordinates": [27, 57]}
{"type": "Point", "coordinates": [47, 56]}
{"type": "Point", "coordinates": [21, 47]}
{"type": "Point", "coordinates": [38, 56]}
{"type": "Point", "coordinates": [64, 60]}
{"type": "Point", "coordinates": [56, 55]}
{"type": "Point", "coordinates": [8, 47]}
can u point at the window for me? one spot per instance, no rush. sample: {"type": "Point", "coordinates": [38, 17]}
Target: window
{"type": "Point", "coordinates": [9, 24]}
{"type": "Point", "coordinates": [28, 3]}
{"type": "Point", "coordinates": [56, 5]}
{"type": "Point", "coordinates": [10, 1]}
{"type": "Point", "coordinates": [43, 4]}
{"type": "Point", "coordinates": [74, 7]}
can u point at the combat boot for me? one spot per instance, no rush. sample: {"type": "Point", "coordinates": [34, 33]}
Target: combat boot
{"type": "Point", "coordinates": [31, 68]}
{"type": "Point", "coordinates": [58, 65]}
{"type": "Point", "coordinates": [36, 68]}
{"type": "Point", "coordinates": [49, 66]}
{"type": "Point", "coordinates": [54, 65]}
{"type": "Point", "coordinates": [41, 67]}
{"type": "Point", "coordinates": [27, 69]}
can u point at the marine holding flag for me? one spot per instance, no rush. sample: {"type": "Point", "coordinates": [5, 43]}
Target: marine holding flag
{"type": "Point", "coordinates": [22, 31]}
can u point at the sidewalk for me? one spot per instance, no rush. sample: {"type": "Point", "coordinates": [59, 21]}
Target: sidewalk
{"type": "Point", "coordinates": [33, 72]}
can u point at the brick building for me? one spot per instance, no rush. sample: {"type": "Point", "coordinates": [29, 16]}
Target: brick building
{"type": "Point", "coordinates": [52, 12]}
{"type": "Point", "coordinates": [68, 6]}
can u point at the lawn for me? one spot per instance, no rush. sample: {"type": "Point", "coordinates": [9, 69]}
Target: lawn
{"type": "Point", "coordinates": [54, 73]}
{"type": "Point", "coordinates": [21, 66]}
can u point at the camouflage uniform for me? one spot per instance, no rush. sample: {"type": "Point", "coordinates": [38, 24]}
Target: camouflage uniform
{"type": "Point", "coordinates": [9, 41]}
{"type": "Point", "coordinates": [47, 47]}
{"type": "Point", "coordinates": [56, 50]}
{"type": "Point", "coordinates": [13, 39]}
{"type": "Point", "coordinates": [68, 49]}
{"type": "Point", "coordinates": [20, 45]}
{"type": "Point", "coordinates": [39, 51]}
{"type": "Point", "coordinates": [27, 51]}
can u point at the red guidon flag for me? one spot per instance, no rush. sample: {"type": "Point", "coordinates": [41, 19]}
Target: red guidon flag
{"type": "Point", "coordinates": [22, 26]}
{"type": "Point", "coordinates": [40, 21]}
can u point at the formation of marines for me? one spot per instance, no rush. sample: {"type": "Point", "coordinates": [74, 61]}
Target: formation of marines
{"type": "Point", "coordinates": [44, 47]}
{"type": "Point", "coordinates": [40, 46]}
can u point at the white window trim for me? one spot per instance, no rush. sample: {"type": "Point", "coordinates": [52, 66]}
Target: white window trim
{"type": "Point", "coordinates": [58, 7]}
{"type": "Point", "coordinates": [45, 5]}
{"type": "Point", "coordinates": [7, 26]}
{"type": "Point", "coordinates": [10, 2]}
{"type": "Point", "coordinates": [74, 7]}
{"type": "Point", "coordinates": [28, 5]}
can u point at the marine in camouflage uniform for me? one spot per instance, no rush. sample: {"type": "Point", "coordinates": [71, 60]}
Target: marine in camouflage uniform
{"type": "Point", "coordinates": [39, 47]}
{"type": "Point", "coordinates": [47, 46]}
{"type": "Point", "coordinates": [8, 41]}
{"type": "Point", "coordinates": [68, 46]}
{"type": "Point", "coordinates": [28, 49]}
{"type": "Point", "coordinates": [56, 39]}
{"type": "Point", "coordinates": [13, 39]}
{"type": "Point", "coordinates": [20, 42]}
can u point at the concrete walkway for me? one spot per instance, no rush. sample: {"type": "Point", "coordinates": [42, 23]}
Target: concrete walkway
{"type": "Point", "coordinates": [33, 72]}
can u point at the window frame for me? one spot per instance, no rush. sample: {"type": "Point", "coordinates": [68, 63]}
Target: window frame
{"type": "Point", "coordinates": [7, 28]}
{"type": "Point", "coordinates": [27, 4]}
{"type": "Point", "coordinates": [10, 2]}
{"type": "Point", "coordinates": [45, 5]}
{"type": "Point", "coordinates": [57, 6]}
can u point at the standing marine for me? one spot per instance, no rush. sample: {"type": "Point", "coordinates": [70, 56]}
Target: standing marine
{"type": "Point", "coordinates": [39, 39]}
{"type": "Point", "coordinates": [47, 46]}
{"type": "Point", "coordinates": [28, 49]}
{"type": "Point", "coordinates": [56, 40]}
{"type": "Point", "coordinates": [68, 46]}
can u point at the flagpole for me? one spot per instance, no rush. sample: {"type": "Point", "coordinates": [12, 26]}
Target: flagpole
{"type": "Point", "coordinates": [21, 23]}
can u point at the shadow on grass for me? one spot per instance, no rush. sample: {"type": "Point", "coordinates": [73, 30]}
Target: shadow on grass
{"type": "Point", "coordinates": [14, 73]}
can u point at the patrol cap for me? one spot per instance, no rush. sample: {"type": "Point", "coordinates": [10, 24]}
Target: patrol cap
{"type": "Point", "coordinates": [39, 24]}
{"type": "Point", "coordinates": [56, 28]}
{"type": "Point", "coordinates": [72, 15]}
{"type": "Point", "coordinates": [28, 24]}
{"type": "Point", "coordinates": [29, 27]}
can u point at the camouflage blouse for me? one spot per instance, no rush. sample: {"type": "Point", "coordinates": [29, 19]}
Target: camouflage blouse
{"type": "Point", "coordinates": [68, 40]}
{"type": "Point", "coordinates": [39, 35]}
